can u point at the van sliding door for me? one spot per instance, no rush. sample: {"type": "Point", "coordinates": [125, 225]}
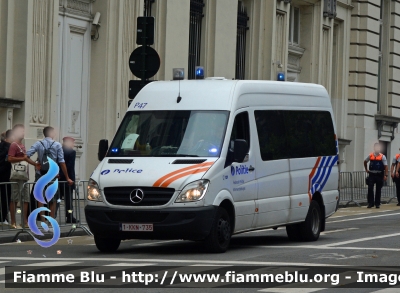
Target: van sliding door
{"type": "Point", "coordinates": [272, 169]}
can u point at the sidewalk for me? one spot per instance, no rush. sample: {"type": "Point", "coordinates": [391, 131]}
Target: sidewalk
{"type": "Point", "coordinates": [356, 210]}
{"type": "Point", "coordinates": [363, 202]}
{"type": "Point", "coordinates": [7, 236]}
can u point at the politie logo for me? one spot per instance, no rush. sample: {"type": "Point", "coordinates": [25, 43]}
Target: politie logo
{"type": "Point", "coordinates": [239, 170]}
{"type": "Point", "coordinates": [105, 172]}
{"type": "Point", "coordinates": [49, 194]}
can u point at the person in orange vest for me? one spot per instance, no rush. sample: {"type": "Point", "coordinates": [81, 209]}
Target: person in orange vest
{"type": "Point", "coordinates": [377, 173]}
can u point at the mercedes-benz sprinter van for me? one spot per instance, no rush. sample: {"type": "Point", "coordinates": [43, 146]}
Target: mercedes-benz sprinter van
{"type": "Point", "coordinates": [205, 159]}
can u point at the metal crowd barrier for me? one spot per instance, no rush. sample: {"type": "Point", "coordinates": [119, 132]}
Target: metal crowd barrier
{"type": "Point", "coordinates": [5, 200]}
{"type": "Point", "coordinates": [353, 188]}
{"type": "Point", "coordinates": [346, 188]}
{"type": "Point", "coordinates": [66, 208]}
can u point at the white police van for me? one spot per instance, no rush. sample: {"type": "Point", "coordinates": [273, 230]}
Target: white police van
{"type": "Point", "coordinates": [206, 159]}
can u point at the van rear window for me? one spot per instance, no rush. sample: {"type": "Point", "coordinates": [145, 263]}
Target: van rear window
{"type": "Point", "coordinates": [295, 134]}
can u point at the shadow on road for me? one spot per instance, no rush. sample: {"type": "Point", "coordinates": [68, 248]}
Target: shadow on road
{"type": "Point", "coordinates": [196, 247]}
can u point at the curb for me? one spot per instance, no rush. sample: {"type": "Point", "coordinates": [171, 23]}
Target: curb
{"type": "Point", "coordinates": [352, 204]}
{"type": "Point", "coordinates": [26, 237]}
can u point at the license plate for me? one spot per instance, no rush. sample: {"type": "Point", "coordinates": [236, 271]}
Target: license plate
{"type": "Point", "coordinates": [137, 227]}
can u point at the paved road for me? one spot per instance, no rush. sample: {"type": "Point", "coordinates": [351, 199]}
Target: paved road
{"type": "Point", "coordinates": [354, 236]}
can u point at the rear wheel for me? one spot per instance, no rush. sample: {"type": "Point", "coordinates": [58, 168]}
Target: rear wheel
{"type": "Point", "coordinates": [311, 227]}
{"type": "Point", "coordinates": [220, 236]}
{"type": "Point", "coordinates": [107, 244]}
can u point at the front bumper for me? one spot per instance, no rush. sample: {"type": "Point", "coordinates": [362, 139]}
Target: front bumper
{"type": "Point", "coordinates": [174, 223]}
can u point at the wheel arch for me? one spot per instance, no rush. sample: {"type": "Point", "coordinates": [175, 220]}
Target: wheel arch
{"type": "Point", "coordinates": [225, 200]}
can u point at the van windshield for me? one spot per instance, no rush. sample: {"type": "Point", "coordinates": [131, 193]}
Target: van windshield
{"type": "Point", "coordinates": [170, 134]}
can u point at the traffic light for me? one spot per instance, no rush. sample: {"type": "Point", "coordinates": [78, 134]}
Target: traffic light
{"type": "Point", "coordinates": [145, 30]}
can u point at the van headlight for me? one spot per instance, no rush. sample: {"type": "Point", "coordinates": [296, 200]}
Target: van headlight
{"type": "Point", "coordinates": [93, 192]}
{"type": "Point", "coordinates": [193, 191]}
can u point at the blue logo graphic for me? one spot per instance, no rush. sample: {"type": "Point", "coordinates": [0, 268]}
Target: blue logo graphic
{"type": "Point", "coordinates": [48, 195]}
{"type": "Point", "coordinates": [239, 170]}
{"type": "Point", "coordinates": [105, 172]}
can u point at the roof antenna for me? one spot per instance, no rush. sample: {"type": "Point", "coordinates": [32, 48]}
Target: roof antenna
{"type": "Point", "coordinates": [179, 98]}
{"type": "Point", "coordinates": [178, 74]}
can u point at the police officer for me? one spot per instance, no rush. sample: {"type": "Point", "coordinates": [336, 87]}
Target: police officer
{"type": "Point", "coordinates": [377, 173]}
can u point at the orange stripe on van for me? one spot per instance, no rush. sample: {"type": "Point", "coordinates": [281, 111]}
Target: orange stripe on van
{"type": "Point", "coordinates": [179, 176]}
{"type": "Point", "coordinates": [311, 176]}
{"type": "Point", "coordinates": [195, 167]}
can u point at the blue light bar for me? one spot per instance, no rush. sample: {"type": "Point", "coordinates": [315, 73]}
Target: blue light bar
{"type": "Point", "coordinates": [199, 72]}
{"type": "Point", "coordinates": [114, 150]}
{"type": "Point", "coordinates": [281, 76]}
{"type": "Point", "coordinates": [213, 150]}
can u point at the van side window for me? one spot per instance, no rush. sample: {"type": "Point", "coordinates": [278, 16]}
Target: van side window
{"type": "Point", "coordinates": [240, 130]}
{"type": "Point", "coordinates": [272, 135]}
{"type": "Point", "coordinates": [295, 134]}
{"type": "Point", "coordinates": [310, 133]}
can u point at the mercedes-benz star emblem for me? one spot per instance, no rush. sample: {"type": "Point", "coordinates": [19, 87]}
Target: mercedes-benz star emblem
{"type": "Point", "coordinates": [136, 196]}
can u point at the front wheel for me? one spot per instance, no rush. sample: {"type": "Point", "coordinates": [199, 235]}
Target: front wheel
{"type": "Point", "coordinates": [107, 244]}
{"type": "Point", "coordinates": [220, 236]}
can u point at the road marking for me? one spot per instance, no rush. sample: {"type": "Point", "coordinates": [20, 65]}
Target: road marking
{"type": "Point", "coordinates": [338, 230]}
{"type": "Point", "coordinates": [362, 239]}
{"type": "Point", "coordinates": [357, 214]}
{"type": "Point", "coordinates": [327, 247]}
{"type": "Point", "coordinates": [158, 242]}
{"type": "Point", "coordinates": [292, 290]}
{"type": "Point", "coordinates": [2, 272]}
{"type": "Point", "coordinates": [362, 218]}
{"type": "Point", "coordinates": [125, 264]}
{"type": "Point", "coordinates": [207, 265]}
{"type": "Point", "coordinates": [233, 262]}
{"type": "Point", "coordinates": [51, 263]}
{"type": "Point", "coordinates": [388, 290]}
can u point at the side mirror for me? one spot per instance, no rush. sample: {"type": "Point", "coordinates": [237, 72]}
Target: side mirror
{"type": "Point", "coordinates": [103, 148]}
{"type": "Point", "coordinates": [241, 148]}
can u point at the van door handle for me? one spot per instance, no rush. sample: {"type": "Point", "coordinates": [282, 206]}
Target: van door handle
{"type": "Point", "coordinates": [251, 168]}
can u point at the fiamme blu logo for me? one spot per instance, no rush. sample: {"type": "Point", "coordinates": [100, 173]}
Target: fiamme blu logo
{"type": "Point", "coordinates": [49, 192]}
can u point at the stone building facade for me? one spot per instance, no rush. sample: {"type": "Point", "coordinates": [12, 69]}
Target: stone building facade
{"type": "Point", "coordinates": [57, 68]}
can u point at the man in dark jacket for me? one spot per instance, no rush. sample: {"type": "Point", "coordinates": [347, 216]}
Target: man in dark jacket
{"type": "Point", "coordinates": [5, 172]}
{"type": "Point", "coordinates": [65, 190]}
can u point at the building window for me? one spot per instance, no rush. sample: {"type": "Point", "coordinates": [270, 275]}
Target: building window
{"type": "Point", "coordinates": [294, 25]}
{"type": "Point", "coordinates": [196, 16]}
{"type": "Point", "coordinates": [242, 28]}
{"type": "Point", "coordinates": [147, 7]}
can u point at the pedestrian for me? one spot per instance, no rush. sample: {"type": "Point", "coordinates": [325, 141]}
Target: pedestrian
{"type": "Point", "coordinates": [67, 191]}
{"type": "Point", "coordinates": [396, 178]}
{"type": "Point", "coordinates": [377, 174]}
{"type": "Point", "coordinates": [2, 136]}
{"type": "Point", "coordinates": [5, 173]}
{"type": "Point", "coordinates": [48, 147]}
{"type": "Point", "coordinates": [19, 160]}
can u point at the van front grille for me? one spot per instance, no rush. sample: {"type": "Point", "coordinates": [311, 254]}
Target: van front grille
{"type": "Point", "coordinates": [137, 217]}
{"type": "Point", "coordinates": [152, 196]}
